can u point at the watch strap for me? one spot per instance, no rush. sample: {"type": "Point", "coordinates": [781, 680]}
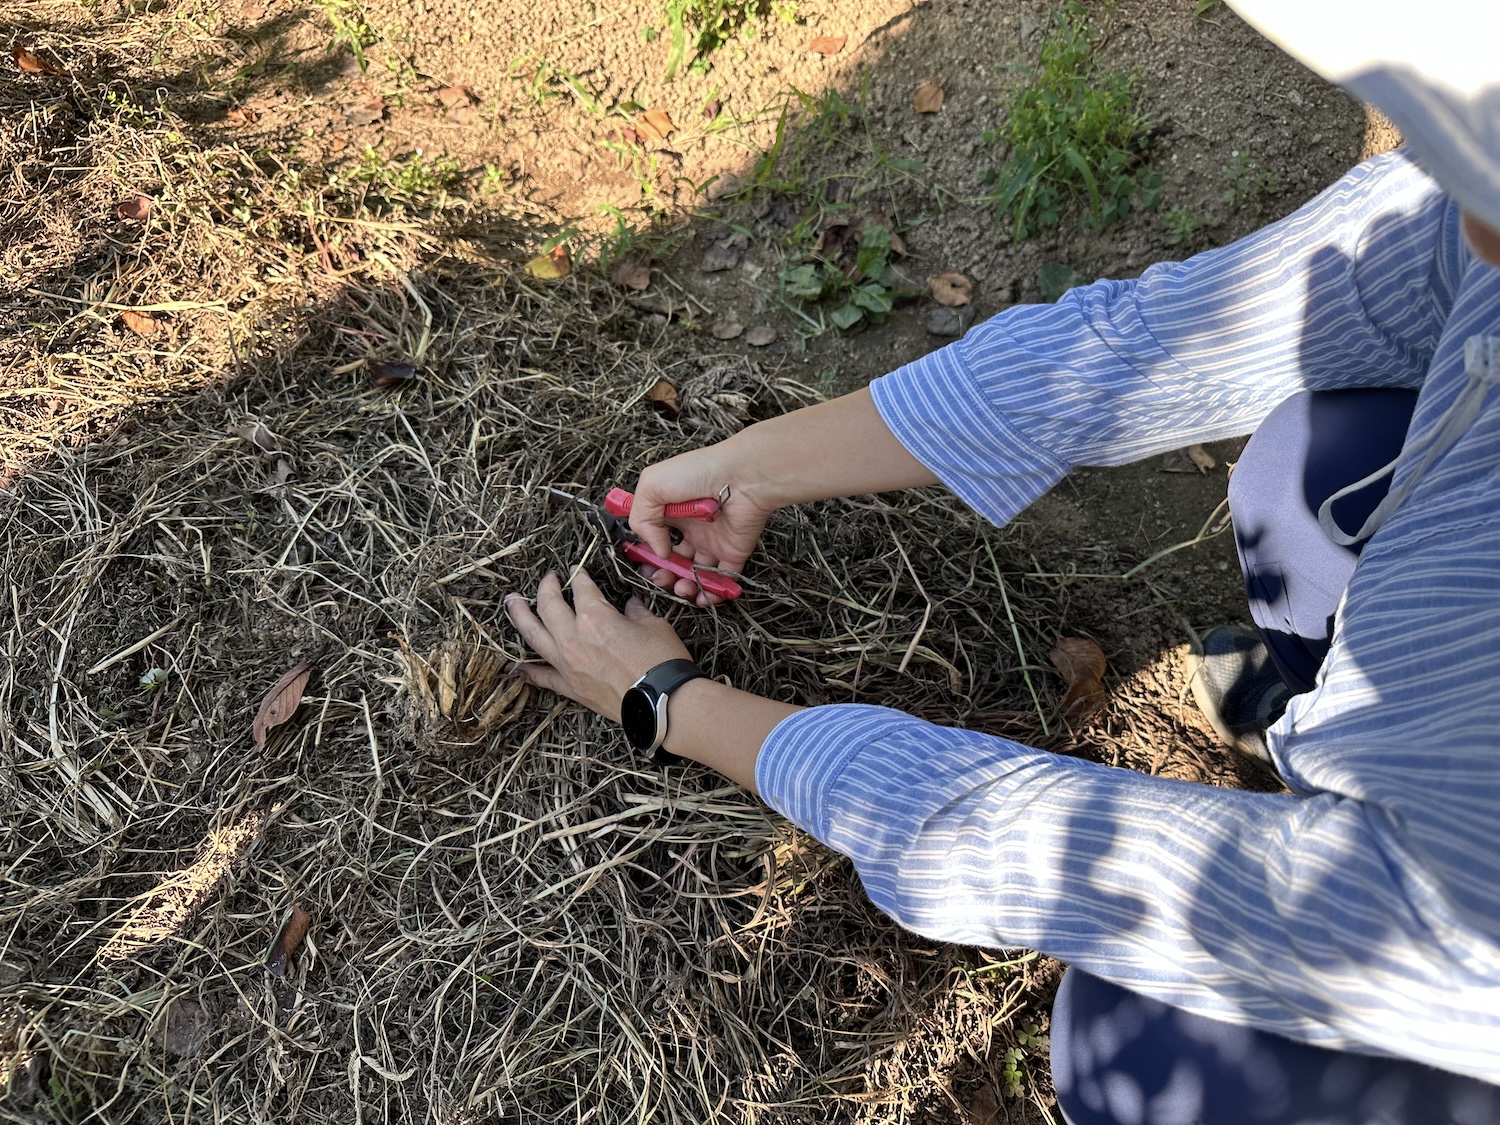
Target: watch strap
{"type": "Point", "coordinates": [670, 675]}
{"type": "Point", "coordinates": [659, 683]}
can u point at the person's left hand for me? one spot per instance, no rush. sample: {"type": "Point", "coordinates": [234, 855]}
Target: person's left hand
{"type": "Point", "coordinates": [593, 652]}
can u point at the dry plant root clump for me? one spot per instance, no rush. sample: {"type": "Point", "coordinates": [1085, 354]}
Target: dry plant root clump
{"type": "Point", "coordinates": [471, 690]}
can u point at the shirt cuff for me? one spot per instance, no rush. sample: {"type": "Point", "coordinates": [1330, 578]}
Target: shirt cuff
{"type": "Point", "coordinates": [936, 410]}
{"type": "Point", "coordinates": [803, 757]}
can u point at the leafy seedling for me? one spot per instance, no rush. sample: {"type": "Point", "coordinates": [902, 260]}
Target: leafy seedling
{"type": "Point", "coordinates": [1056, 278]}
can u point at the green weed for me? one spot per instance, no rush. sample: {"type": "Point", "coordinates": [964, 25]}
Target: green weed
{"type": "Point", "coordinates": [351, 28]}
{"type": "Point", "coordinates": [1073, 136]}
{"type": "Point", "coordinates": [1245, 180]}
{"type": "Point", "coordinates": [711, 23]}
{"type": "Point", "coordinates": [414, 180]}
{"type": "Point", "coordinates": [1056, 278]}
{"type": "Point", "coordinates": [855, 278]}
{"type": "Point", "coordinates": [1181, 226]}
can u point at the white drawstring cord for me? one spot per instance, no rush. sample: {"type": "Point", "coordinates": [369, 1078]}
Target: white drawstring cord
{"type": "Point", "coordinates": [1482, 366]}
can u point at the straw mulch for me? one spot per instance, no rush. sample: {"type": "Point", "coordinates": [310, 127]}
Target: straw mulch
{"type": "Point", "coordinates": [532, 926]}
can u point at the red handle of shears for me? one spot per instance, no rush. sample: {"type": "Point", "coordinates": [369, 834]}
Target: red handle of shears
{"type": "Point", "coordinates": [720, 585]}
{"type": "Point", "coordinates": [618, 502]}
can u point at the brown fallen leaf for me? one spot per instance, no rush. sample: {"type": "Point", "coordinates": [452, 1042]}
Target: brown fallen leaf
{"type": "Point", "coordinates": [365, 111]}
{"type": "Point", "coordinates": [951, 289]}
{"type": "Point", "coordinates": [384, 374]}
{"type": "Point", "coordinates": [242, 115]}
{"type": "Point", "coordinates": [927, 98]}
{"type": "Point", "coordinates": [629, 136]}
{"type": "Point", "coordinates": [452, 97]}
{"type": "Point", "coordinates": [288, 939]}
{"type": "Point", "coordinates": [551, 265]}
{"type": "Point", "coordinates": [1081, 662]}
{"type": "Point", "coordinates": [142, 324]}
{"type": "Point", "coordinates": [631, 275]}
{"type": "Point", "coordinates": [664, 395]}
{"type": "Point", "coordinates": [281, 701]}
{"type": "Point", "coordinates": [137, 208]}
{"type": "Point", "coordinates": [654, 123]}
{"type": "Point", "coordinates": [258, 434]}
{"type": "Point", "coordinates": [32, 63]}
{"type": "Point", "coordinates": [338, 144]}
{"type": "Point", "coordinates": [827, 44]}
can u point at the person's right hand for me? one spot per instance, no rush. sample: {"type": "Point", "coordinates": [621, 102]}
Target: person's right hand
{"type": "Point", "coordinates": [725, 543]}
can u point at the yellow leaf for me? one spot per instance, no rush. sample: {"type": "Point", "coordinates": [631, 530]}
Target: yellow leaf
{"type": "Point", "coordinates": [552, 265]}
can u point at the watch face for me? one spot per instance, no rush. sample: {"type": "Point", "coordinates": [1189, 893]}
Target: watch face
{"type": "Point", "coordinates": [638, 717]}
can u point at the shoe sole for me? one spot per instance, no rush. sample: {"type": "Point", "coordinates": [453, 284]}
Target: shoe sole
{"type": "Point", "coordinates": [1201, 697]}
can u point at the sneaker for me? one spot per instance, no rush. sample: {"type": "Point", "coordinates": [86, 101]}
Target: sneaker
{"type": "Point", "coordinates": [1237, 688]}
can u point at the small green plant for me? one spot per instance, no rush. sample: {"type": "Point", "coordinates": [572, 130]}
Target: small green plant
{"type": "Point", "coordinates": [1010, 1075]}
{"type": "Point", "coordinates": [1056, 278]}
{"type": "Point", "coordinates": [858, 276]}
{"type": "Point", "coordinates": [414, 180]}
{"type": "Point", "coordinates": [713, 23]}
{"type": "Point", "coordinates": [1181, 226]}
{"type": "Point", "coordinates": [1245, 180]}
{"type": "Point", "coordinates": [1073, 135]}
{"type": "Point", "coordinates": [351, 28]}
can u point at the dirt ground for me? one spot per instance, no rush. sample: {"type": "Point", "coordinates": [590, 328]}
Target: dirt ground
{"type": "Point", "coordinates": [518, 922]}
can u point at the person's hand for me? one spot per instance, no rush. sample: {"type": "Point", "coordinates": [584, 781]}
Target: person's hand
{"type": "Point", "coordinates": [593, 652]}
{"type": "Point", "coordinates": [725, 543]}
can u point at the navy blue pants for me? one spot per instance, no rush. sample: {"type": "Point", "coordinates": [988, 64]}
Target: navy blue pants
{"type": "Point", "coordinates": [1121, 1059]}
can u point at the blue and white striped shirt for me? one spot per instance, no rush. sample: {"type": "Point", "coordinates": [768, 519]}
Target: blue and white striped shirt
{"type": "Point", "coordinates": [1360, 911]}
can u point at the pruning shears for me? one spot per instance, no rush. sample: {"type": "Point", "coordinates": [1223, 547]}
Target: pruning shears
{"type": "Point", "coordinates": [617, 505]}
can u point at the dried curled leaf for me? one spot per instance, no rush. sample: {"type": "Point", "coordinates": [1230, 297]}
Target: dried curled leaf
{"type": "Point", "coordinates": [142, 324]}
{"type": "Point", "coordinates": [551, 265]}
{"type": "Point", "coordinates": [137, 209]}
{"type": "Point", "coordinates": [951, 288]}
{"type": "Point", "coordinates": [384, 374]}
{"type": "Point", "coordinates": [631, 275]}
{"type": "Point", "coordinates": [827, 44]}
{"type": "Point", "coordinates": [664, 395]}
{"type": "Point", "coordinates": [455, 97]}
{"type": "Point", "coordinates": [281, 701]}
{"type": "Point", "coordinates": [927, 98]}
{"type": "Point", "coordinates": [470, 690]}
{"type": "Point", "coordinates": [32, 63]}
{"type": "Point", "coordinates": [1082, 664]}
{"type": "Point", "coordinates": [258, 434]}
{"type": "Point", "coordinates": [655, 124]}
{"type": "Point", "coordinates": [288, 940]}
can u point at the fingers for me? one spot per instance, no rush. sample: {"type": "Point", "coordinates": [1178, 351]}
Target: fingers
{"type": "Point", "coordinates": [551, 606]}
{"type": "Point", "coordinates": [544, 676]}
{"type": "Point", "coordinates": [585, 589]}
{"type": "Point", "coordinates": [532, 631]}
{"type": "Point", "coordinates": [636, 610]}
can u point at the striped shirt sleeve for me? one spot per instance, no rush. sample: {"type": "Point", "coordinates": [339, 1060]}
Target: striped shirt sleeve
{"type": "Point", "coordinates": [1288, 913]}
{"type": "Point", "coordinates": [1350, 291]}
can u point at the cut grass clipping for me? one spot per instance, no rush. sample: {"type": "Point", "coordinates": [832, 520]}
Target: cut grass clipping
{"type": "Point", "coordinates": [1073, 136]}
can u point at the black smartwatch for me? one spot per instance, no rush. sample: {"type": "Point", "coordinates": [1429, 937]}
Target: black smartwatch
{"type": "Point", "coordinates": [643, 711]}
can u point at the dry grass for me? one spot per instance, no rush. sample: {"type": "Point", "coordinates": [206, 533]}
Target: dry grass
{"type": "Point", "coordinates": [532, 927]}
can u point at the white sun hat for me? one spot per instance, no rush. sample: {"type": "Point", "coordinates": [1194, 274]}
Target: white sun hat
{"type": "Point", "coordinates": [1433, 68]}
